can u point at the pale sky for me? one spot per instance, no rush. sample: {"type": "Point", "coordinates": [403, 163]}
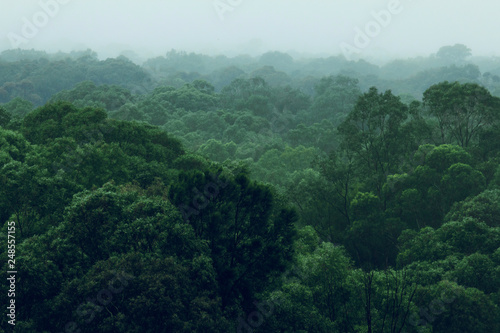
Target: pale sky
{"type": "Point", "coordinates": [405, 28]}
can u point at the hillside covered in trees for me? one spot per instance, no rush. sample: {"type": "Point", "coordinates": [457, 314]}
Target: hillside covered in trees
{"type": "Point", "coordinates": [196, 193]}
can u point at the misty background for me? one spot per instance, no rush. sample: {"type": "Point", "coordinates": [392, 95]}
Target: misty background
{"type": "Point", "coordinates": [232, 27]}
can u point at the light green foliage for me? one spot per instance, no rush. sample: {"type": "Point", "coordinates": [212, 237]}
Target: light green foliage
{"type": "Point", "coordinates": [316, 292]}
{"type": "Point", "coordinates": [18, 107]}
{"type": "Point", "coordinates": [460, 238]}
{"type": "Point", "coordinates": [444, 156]}
{"type": "Point", "coordinates": [276, 167]}
{"type": "Point", "coordinates": [217, 151]}
{"type": "Point", "coordinates": [193, 97]}
{"type": "Point", "coordinates": [477, 271]}
{"type": "Point", "coordinates": [130, 112]}
{"type": "Point", "coordinates": [88, 94]}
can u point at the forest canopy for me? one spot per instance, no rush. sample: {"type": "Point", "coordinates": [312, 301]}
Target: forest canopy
{"type": "Point", "coordinates": [195, 193]}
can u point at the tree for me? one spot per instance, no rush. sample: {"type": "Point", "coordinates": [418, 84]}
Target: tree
{"type": "Point", "coordinates": [19, 187]}
{"type": "Point", "coordinates": [4, 117]}
{"type": "Point", "coordinates": [338, 174]}
{"type": "Point", "coordinates": [372, 237]}
{"type": "Point", "coordinates": [249, 236]}
{"type": "Point", "coordinates": [59, 119]}
{"type": "Point", "coordinates": [461, 181]}
{"type": "Point", "coordinates": [221, 78]}
{"type": "Point", "coordinates": [321, 135]}
{"type": "Point", "coordinates": [442, 176]}
{"type": "Point", "coordinates": [458, 238]}
{"type": "Point", "coordinates": [449, 307]}
{"type": "Point", "coordinates": [203, 86]}
{"type": "Point", "coordinates": [198, 96]}
{"type": "Point", "coordinates": [316, 204]}
{"type": "Point", "coordinates": [273, 77]}
{"type": "Point", "coordinates": [282, 61]}
{"type": "Point", "coordinates": [326, 272]}
{"type": "Point", "coordinates": [217, 151]}
{"type": "Point", "coordinates": [462, 110]}
{"type": "Point", "coordinates": [387, 297]}
{"type": "Point", "coordinates": [335, 97]}
{"type": "Point", "coordinates": [130, 112]}
{"type": "Point", "coordinates": [18, 107]}
{"type": "Point", "coordinates": [143, 268]}
{"type": "Point", "coordinates": [373, 135]}
{"type": "Point", "coordinates": [457, 53]}
{"type": "Point", "coordinates": [147, 294]}
{"type": "Point", "coordinates": [477, 271]}
{"type": "Point", "coordinates": [291, 100]}
{"type": "Point", "coordinates": [316, 294]}
{"type": "Point", "coordinates": [236, 94]}
{"type": "Point", "coordinates": [484, 207]}
{"type": "Point", "coordinates": [86, 93]}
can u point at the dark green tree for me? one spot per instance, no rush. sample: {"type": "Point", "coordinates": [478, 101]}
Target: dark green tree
{"type": "Point", "coordinates": [249, 236]}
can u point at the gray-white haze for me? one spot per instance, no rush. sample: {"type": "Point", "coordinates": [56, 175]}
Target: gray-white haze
{"type": "Point", "coordinates": [389, 28]}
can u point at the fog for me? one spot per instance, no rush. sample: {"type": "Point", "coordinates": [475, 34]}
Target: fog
{"type": "Point", "coordinates": [375, 30]}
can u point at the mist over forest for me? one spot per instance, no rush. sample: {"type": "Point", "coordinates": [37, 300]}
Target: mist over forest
{"type": "Point", "coordinates": [237, 166]}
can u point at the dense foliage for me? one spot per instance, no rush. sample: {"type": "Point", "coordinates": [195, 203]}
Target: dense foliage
{"type": "Point", "coordinates": [215, 194]}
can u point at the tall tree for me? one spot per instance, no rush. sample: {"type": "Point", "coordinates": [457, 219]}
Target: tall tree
{"type": "Point", "coordinates": [373, 134]}
{"type": "Point", "coordinates": [462, 110]}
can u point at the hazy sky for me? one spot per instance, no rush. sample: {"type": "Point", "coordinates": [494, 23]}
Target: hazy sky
{"type": "Point", "coordinates": [405, 28]}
